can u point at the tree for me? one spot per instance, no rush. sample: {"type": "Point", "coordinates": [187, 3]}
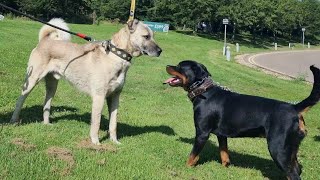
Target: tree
{"type": "Point", "coordinates": [48, 9]}
{"type": "Point", "coordinates": [271, 17]}
{"type": "Point", "coordinates": [309, 16]}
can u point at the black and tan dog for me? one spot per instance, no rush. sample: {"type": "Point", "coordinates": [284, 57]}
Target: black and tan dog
{"type": "Point", "coordinates": [228, 114]}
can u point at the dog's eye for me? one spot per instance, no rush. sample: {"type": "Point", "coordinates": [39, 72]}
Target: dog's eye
{"type": "Point", "coordinates": [147, 37]}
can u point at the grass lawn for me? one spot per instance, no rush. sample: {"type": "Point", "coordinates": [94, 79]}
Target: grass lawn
{"type": "Point", "coordinates": [155, 121]}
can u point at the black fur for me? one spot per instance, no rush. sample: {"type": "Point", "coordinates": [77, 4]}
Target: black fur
{"type": "Point", "coordinates": [228, 114]}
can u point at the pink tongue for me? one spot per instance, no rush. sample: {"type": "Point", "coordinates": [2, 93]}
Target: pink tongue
{"type": "Point", "coordinates": [169, 80]}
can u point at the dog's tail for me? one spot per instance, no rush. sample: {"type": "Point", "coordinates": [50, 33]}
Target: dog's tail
{"type": "Point", "coordinates": [314, 96]}
{"type": "Point", "coordinates": [53, 33]}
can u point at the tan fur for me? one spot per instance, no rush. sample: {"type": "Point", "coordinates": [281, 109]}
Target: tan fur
{"type": "Point", "coordinates": [192, 160]}
{"type": "Point", "coordinates": [302, 126]}
{"type": "Point", "coordinates": [224, 155]}
{"type": "Point", "coordinates": [88, 67]}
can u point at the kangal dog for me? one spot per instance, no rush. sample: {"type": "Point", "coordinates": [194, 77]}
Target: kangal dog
{"type": "Point", "coordinates": [97, 68]}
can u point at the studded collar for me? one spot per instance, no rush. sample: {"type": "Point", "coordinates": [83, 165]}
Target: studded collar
{"type": "Point", "coordinates": [200, 88]}
{"type": "Point", "coordinates": [108, 46]}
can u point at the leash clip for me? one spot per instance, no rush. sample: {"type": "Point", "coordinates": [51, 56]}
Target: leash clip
{"type": "Point", "coordinates": [106, 45]}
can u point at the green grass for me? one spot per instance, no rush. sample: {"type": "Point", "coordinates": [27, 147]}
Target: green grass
{"type": "Point", "coordinates": [155, 121]}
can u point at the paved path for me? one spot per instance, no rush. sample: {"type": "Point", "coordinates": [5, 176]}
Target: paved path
{"type": "Point", "coordinates": [291, 63]}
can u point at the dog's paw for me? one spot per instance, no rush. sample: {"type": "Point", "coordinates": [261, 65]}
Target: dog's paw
{"type": "Point", "coordinates": [115, 141]}
{"type": "Point", "coordinates": [192, 161]}
{"type": "Point", "coordinates": [226, 164]}
{"type": "Point", "coordinates": [95, 141]}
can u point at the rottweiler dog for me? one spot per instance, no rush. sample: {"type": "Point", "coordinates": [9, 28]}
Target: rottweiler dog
{"type": "Point", "coordinates": [228, 114]}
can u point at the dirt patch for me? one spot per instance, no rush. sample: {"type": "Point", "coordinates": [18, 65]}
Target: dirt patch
{"type": "Point", "coordinates": [4, 174]}
{"type": "Point", "coordinates": [173, 173]}
{"type": "Point", "coordinates": [64, 155]}
{"type": "Point", "coordinates": [13, 154]}
{"type": "Point", "coordinates": [2, 73]}
{"type": "Point", "coordinates": [23, 144]}
{"type": "Point", "coordinates": [87, 144]}
{"type": "Point", "coordinates": [241, 59]}
{"type": "Point", "coordinates": [102, 162]}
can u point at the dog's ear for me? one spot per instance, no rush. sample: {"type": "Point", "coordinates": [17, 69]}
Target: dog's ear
{"type": "Point", "coordinates": [205, 69]}
{"type": "Point", "coordinates": [132, 25]}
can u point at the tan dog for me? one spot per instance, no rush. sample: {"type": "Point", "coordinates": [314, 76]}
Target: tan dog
{"type": "Point", "coordinates": [98, 69]}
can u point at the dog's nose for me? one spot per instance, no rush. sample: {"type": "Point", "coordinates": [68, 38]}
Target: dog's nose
{"type": "Point", "coordinates": [159, 51]}
{"type": "Point", "coordinates": [168, 68]}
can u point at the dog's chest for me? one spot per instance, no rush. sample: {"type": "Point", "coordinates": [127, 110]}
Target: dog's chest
{"type": "Point", "coordinates": [117, 82]}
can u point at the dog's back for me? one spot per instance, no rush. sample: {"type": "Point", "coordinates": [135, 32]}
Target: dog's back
{"type": "Point", "coordinates": [234, 114]}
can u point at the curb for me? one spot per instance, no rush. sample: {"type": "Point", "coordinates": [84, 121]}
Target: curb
{"type": "Point", "coordinates": [250, 58]}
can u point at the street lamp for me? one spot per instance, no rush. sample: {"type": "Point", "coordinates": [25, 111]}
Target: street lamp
{"type": "Point", "coordinates": [303, 30]}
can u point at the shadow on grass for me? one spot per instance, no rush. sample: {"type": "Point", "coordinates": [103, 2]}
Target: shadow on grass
{"type": "Point", "coordinates": [250, 41]}
{"type": "Point", "coordinates": [316, 138]}
{"type": "Point", "coordinates": [123, 129]}
{"type": "Point", "coordinates": [34, 114]}
{"type": "Point", "coordinates": [243, 40]}
{"type": "Point", "coordinates": [211, 152]}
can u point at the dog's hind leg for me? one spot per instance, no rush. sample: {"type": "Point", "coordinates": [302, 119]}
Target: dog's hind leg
{"type": "Point", "coordinates": [51, 87]}
{"type": "Point", "coordinates": [296, 164]}
{"type": "Point", "coordinates": [284, 155]}
{"type": "Point", "coordinates": [97, 105]}
{"type": "Point", "coordinates": [113, 104]}
{"type": "Point", "coordinates": [224, 153]}
{"type": "Point", "coordinates": [296, 168]}
{"type": "Point", "coordinates": [33, 76]}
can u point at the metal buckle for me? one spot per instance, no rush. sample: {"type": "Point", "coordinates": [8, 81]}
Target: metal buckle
{"type": "Point", "coordinates": [106, 44]}
{"type": "Point", "coordinates": [197, 83]}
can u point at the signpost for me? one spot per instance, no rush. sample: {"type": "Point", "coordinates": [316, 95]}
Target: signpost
{"type": "Point", "coordinates": [225, 22]}
{"type": "Point", "coordinates": [303, 30]}
{"type": "Point", "coordinates": [159, 27]}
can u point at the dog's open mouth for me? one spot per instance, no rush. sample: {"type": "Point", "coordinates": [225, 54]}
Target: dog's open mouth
{"type": "Point", "coordinates": [177, 78]}
{"type": "Point", "coordinates": [174, 81]}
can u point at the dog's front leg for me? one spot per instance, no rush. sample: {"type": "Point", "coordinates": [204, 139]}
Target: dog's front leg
{"type": "Point", "coordinates": [97, 105]}
{"type": "Point", "coordinates": [113, 104]}
{"type": "Point", "coordinates": [224, 153]}
{"type": "Point", "coordinates": [200, 141]}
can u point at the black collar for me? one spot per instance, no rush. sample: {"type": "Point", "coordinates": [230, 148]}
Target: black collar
{"type": "Point", "coordinates": [199, 87]}
{"type": "Point", "coordinates": [108, 46]}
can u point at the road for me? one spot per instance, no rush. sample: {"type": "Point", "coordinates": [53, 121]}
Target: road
{"type": "Point", "coordinates": [291, 63]}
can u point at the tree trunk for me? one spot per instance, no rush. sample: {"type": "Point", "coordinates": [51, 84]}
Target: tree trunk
{"type": "Point", "coordinates": [94, 17]}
